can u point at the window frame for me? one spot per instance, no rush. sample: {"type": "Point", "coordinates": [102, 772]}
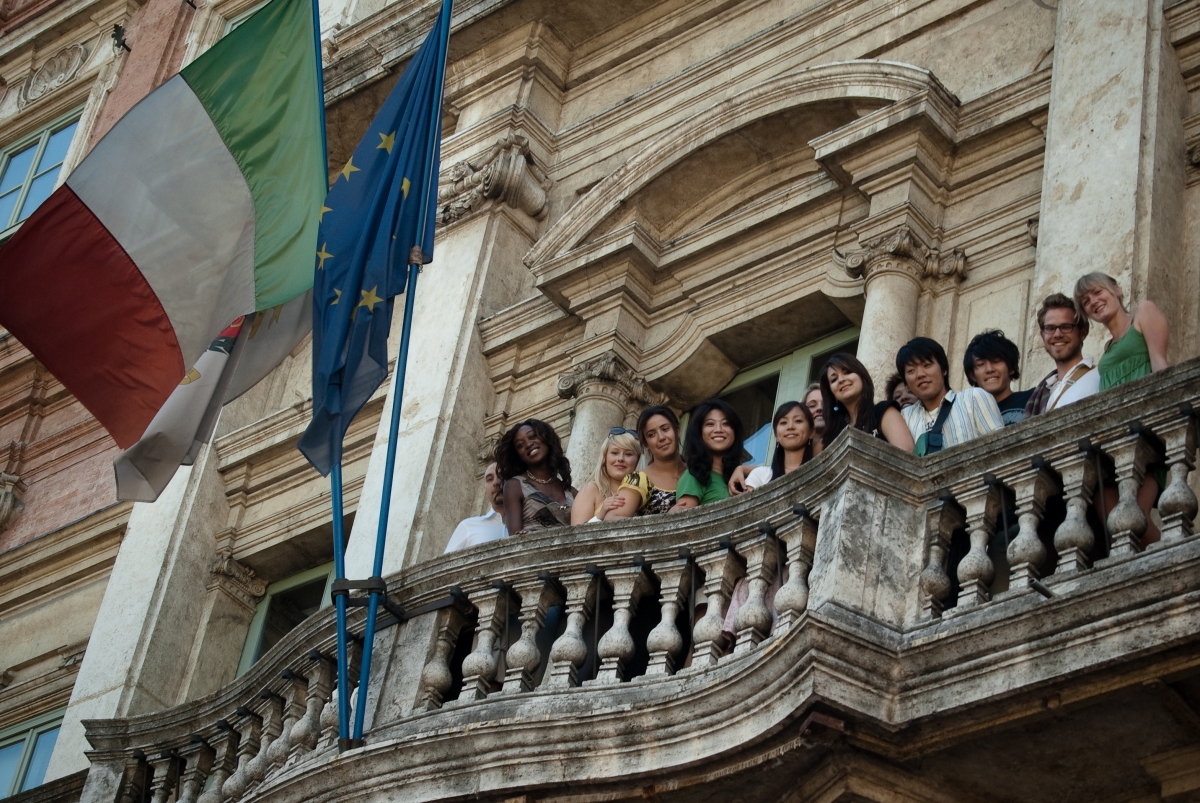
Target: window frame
{"type": "Point", "coordinates": [41, 137]}
{"type": "Point", "coordinates": [27, 730]}
{"type": "Point", "coordinates": [255, 632]}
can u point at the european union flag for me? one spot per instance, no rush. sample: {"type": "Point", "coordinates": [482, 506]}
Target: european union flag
{"type": "Point", "coordinates": [381, 206]}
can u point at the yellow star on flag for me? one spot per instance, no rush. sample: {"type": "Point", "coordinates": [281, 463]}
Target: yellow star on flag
{"type": "Point", "coordinates": [369, 299]}
{"type": "Point", "coordinates": [339, 297]}
{"type": "Point", "coordinates": [322, 255]}
{"type": "Point", "coordinates": [324, 209]}
{"type": "Point", "coordinates": [388, 141]}
{"type": "Point", "coordinates": [404, 185]}
{"type": "Point", "coordinates": [349, 168]}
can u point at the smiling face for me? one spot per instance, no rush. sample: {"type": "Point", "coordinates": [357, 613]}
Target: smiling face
{"type": "Point", "coordinates": [1101, 304]}
{"type": "Point", "coordinates": [847, 386]}
{"type": "Point", "coordinates": [619, 462]}
{"type": "Point", "coordinates": [993, 376]}
{"type": "Point", "coordinates": [493, 485]}
{"type": "Point", "coordinates": [925, 380]}
{"type": "Point", "coordinates": [1061, 336]}
{"type": "Point", "coordinates": [530, 448]}
{"type": "Point", "coordinates": [903, 396]}
{"type": "Point", "coordinates": [792, 431]}
{"type": "Point", "coordinates": [716, 432]}
{"type": "Point", "coordinates": [813, 402]}
{"type": "Point", "coordinates": [660, 438]}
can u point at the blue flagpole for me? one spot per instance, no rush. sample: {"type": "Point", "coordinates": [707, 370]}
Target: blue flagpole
{"type": "Point", "coordinates": [410, 294]}
{"type": "Point", "coordinates": [335, 474]}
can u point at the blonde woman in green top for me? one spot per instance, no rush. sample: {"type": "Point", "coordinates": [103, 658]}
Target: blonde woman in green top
{"type": "Point", "coordinates": [1138, 348]}
{"type": "Point", "coordinates": [1139, 340]}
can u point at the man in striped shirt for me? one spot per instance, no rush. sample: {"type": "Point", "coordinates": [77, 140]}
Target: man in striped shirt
{"type": "Point", "coordinates": [926, 370]}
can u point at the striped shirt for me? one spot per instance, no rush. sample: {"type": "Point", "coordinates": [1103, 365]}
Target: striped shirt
{"type": "Point", "coordinates": [973, 413]}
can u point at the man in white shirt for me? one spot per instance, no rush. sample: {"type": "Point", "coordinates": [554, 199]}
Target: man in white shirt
{"type": "Point", "coordinates": [1074, 376]}
{"type": "Point", "coordinates": [489, 527]}
{"type": "Point", "coordinates": [941, 418]}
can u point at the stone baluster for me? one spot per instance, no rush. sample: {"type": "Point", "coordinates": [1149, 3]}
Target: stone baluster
{"type": "Point", "coordinates": [1177, 505]}
{"type": "Point", "coordinates": [1074, 539]}
{"type": "Point", "coordinates": [791, 601]}
{"type": "Point", "coordinates": [225, 748]}
{"type": "Point", "coordinates": [1026, 554]}
{"type": "Point", "coordinates": [250, 745]}
{"type": "Point", "coordinates": [975, 571]}
{"type": "Point", "coordinates": [1126, 521]}
{"type": "Point", "coordinates": [272, 714]}
{"type": "Point", "coordinates": [722, 569]}
{"type": "Point", "coordinates": [329, 714]}
{"type": "Point", "coordinates": [479, 668]}
{"type": "Point", "coordinates": [569, 650]}
{"type": "Point", "coordinates": [166, 769]}
{"type": "Point", "coordinates": [942, 518]}
{"type": "Point", "coordinates": [521, 661]}
{"type": "Point", "coordinates": [197, 759]}
{"type": "Point", "coordinates": [133, 781]}
{"type": "Point", "coordinates": [616, 647]}
{"type": "Point", "coordinates": [307, 730]}
{"type": "Point", "coordinates": [753, 621]}
{"type": "Point", "coordinates": [295, 693]}
{"type": "Point", "coordinates": [665, 642]}
{"type": "Point", "coordinates": [435, 676]}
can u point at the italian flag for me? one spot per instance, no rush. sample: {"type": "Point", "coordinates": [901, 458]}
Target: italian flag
{"type": "Point", "coordinates": [200, 205]}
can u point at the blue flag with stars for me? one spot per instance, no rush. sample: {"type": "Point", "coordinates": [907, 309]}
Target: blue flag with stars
{"type": "Point", "coordinates": [380, 208]}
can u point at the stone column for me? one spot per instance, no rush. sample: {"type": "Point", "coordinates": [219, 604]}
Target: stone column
{"type": "Point", "coordinates": [607, 394]}
{"type": "Point", "coordinates": [1112, 187]}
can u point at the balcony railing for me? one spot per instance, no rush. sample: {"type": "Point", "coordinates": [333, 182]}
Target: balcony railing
{"type": "Point", "coordinates": [878, 619]}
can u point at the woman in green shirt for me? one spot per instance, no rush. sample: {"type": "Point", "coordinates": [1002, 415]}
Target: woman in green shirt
{"type": "Point", "coordinates": [712, 450]}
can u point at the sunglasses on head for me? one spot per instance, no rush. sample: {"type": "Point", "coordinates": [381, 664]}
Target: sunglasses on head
{"type": "Point", "coordinates": [622, 431]}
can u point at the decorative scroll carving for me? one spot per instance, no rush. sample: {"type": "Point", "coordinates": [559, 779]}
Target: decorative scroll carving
{"type": "Point", "coordinates": [900, 251]}
{"type": "Point", "coordinates": [487, 449]}
{"type": "Point", "coordinates": [57, 70]}
{"type": "Point", "coordinates": [11, 492]}
{"type": "Point", "coordinates": [1033, 230]}
{"type": "Point", "coordinates": [236, 580]}
{"type": "Point", "coordinates": [611, 369]}
{"type": "Point", "coordinates": [506, 173]}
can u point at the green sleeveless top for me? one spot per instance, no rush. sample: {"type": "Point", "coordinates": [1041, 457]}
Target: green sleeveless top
{"type": "Point", "coordinates": [1127, 359]}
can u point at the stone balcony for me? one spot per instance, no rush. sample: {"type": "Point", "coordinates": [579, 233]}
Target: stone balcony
{"type": "Point", "coordinates": [1063, 668]}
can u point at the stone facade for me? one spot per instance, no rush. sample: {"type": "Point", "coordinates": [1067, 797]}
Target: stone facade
{"type": "Point", "coordinates": [639, 202]}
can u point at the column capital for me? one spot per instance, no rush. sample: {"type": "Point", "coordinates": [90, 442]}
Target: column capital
{"type": "Point", "coordinates": [902, 252]}
{"type": "Point", "coordinates": [611, 372]}
{"type": "Point", "coordinates": [236, 580]}
{"type": "Point", "coordinates": [507, 173]}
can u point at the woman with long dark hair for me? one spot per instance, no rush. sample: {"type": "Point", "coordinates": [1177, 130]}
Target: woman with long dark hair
{"type": "Point", "coordinates": [652, 490]}
{"type": "Point", "coordinates": [794, 433]}
{"type": "Point", "coordinates": [848, 398]}
{"type": "Point", "coordinates": [712, 450]}
{"type": "Point", "coordinates": [537, 478]}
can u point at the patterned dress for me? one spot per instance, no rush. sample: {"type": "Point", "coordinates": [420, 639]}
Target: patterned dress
{"type": "Point", "coordinates": [539, 510]}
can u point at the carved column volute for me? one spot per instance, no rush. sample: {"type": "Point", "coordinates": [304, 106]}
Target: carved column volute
{"type": "Point", "coordinates": [900, 252]}
{"type": "Point", "coordinates": [235, 580]}
{"type": "Point", "coordinates": [506, 173]}
{"type": "Point", "coordinates": [605, 390]}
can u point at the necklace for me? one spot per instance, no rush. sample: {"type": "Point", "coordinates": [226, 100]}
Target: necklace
{"type": "Point", "coordinates": [539, 482]}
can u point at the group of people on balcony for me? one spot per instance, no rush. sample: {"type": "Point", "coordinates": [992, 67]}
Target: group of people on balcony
{"type": "Point", "coordinates": [530, 482]}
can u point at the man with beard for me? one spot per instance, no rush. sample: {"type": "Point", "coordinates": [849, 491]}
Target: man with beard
{"type": "Point", "coordinates": [1074, 377]}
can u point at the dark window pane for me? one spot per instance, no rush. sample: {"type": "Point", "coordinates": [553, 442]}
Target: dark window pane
{"type": "Point", "coordinates": [56, 148]}
{"type": "Point", "coordinates": [10, 755]}
{"type": "Point", "coordinates": [17, 169]}
{"type": "Point", "coordinates": [755, 404]}
{"type": "Point", "coordinates": [42, 749]}
{"type": "Point", "coordinates": [288, 609]}
{"type": "Point", "coordinates": [39, 191]}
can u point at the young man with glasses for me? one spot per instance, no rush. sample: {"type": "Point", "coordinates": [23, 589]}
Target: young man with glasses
{"type": "Point", "coordinates": [1074, 377]}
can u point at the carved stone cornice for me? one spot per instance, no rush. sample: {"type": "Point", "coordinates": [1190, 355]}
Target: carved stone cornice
{"type": "Point", "coordinates": [56, 71]}
{"type": "Point", "coordinates": [612, 371]}
{"type": "Point", "coordinates": [11, 504]}
{"type": "Point", "coordinates": [506, 173]}
{"type": "Point", "coordinates": [901, 252]}
{"type": "Point", "coordinates": [236, 580]}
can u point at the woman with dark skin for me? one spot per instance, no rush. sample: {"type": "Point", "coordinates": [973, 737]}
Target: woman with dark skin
{"type": "Point", "coordinates": [537, 478]}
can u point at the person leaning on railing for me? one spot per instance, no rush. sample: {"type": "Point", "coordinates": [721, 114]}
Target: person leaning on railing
{"type": "Point", "coordinates": [537, 478]}
{"type": "Point", "coordinates": [992, 362]}
{"type": "Point", "coordinates": [488, 527]}
{"type": "Point", "coordinates": [652, 489]}
{"type": "Point", "coordinates": [598, 498]}
{"type": "Point", "coordinates": [712, 451]}
{"type": "Point", "coordinates": [942, 418]}
{"type": "Point", "coordinates": [848, 398]}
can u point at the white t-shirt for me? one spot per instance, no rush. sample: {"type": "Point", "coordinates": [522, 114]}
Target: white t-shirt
{"type": "Point", "coordinates": [1086, 385]}
{"type": "Point", "coordinates": [759, 477]}
{"type": "Point", "coordinates": [477, 530]}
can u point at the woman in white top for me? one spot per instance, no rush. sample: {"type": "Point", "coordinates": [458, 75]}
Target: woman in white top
{"type": "Point", "coordinates": [619, 456]}
{"type": "Point", "coordinates": [794, 433]}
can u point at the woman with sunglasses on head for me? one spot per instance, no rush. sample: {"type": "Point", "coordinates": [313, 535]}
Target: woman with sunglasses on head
{"type": "Point", "coordinates": [794, 434]}
{"type": "Point", "coordinates": [848, 396]}
{"type": "Point", "coordinates": [537, 478]}
{"type": "Point", "coordinates": [619, 455]}
{"type": "Point", "coordinates": [652, 489]}
{"type": "Point", "coordinates": [712, 450]}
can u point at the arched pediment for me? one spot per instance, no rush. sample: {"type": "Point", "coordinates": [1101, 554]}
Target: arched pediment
{"type": "Point", "coordinates": [851, 87]}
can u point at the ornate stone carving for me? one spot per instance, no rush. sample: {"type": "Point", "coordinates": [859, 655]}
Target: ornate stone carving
{"type": "Point", "coordinates": [900, 251]}
{"type": "Point", "coordinates": [1033, 230]}
{"type": "Point", "coordinates": [11, 504]}
{"type": "Point", "coordinates": [611, 369]}
{"type": "Point", "coordinates": [487, 449]}
{"type": "Point", "coordinates": [506, 173]}
{"type": "Point", "coordinates": [236, 580]}
{"type": "Point", "coordinates": [56, 71]}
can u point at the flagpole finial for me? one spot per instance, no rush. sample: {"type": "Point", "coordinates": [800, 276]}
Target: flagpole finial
{"type": "Point", "coordinates": [415, 257]}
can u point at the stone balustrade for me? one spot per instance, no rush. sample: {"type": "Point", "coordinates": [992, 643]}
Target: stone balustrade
{"type": "Point", "coordinates": [908, 588]}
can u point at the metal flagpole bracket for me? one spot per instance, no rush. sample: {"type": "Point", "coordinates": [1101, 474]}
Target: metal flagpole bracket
{"type": "Point", "coordinates": [372, 585]}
